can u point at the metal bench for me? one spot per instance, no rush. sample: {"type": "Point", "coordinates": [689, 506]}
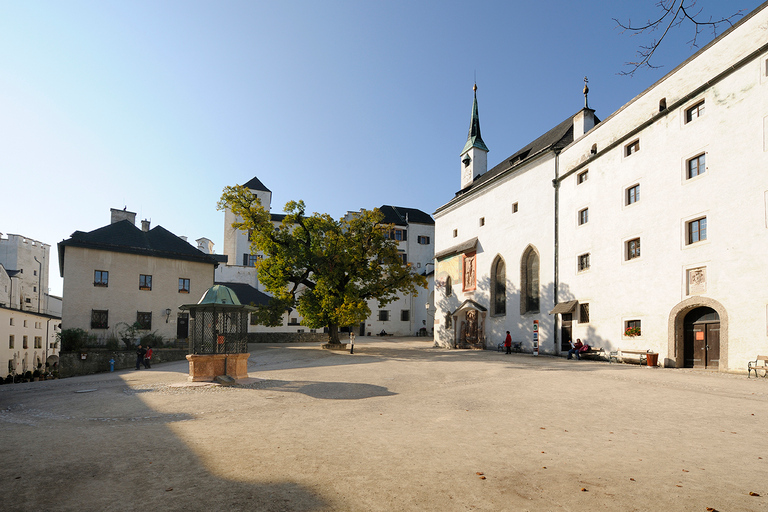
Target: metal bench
{"type": "Point", "coordinates": [594, 352]}
{"type": "Point", "coordinates": [760, 363]}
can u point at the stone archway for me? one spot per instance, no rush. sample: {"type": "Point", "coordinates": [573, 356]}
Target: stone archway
{"type": "Point", "coordinates": [676, 334]}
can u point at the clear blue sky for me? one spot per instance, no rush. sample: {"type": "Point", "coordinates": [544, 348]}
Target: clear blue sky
{"type": "Point", "coordinates": [158, 105]}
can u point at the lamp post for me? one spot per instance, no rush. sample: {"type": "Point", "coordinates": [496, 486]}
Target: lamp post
{"type": "Point", "coordinates": [167, 314]}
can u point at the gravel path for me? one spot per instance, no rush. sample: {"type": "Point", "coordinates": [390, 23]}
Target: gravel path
{"type": "Point", "coordinates": [399, 425]}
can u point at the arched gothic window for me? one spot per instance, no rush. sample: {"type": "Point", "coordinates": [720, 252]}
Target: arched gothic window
{"type": "Point", "coordinates": [529, 281]}
{"type": "Point", "coordinates": [499, 289]}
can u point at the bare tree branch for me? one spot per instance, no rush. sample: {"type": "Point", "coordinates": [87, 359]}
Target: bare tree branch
{"type": "Point", "coordinates": [674, 13]}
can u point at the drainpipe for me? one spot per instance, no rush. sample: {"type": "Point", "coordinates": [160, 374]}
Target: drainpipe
{"type": "Point", "coordinates": [556, 185]}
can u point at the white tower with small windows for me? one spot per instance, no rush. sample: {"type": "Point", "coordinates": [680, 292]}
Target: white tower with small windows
{"type": "Point", "coordinates": [474, 156]}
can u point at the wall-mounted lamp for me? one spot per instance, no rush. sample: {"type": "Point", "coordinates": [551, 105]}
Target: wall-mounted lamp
{"type": "Point", "coordinates": [167, 314]}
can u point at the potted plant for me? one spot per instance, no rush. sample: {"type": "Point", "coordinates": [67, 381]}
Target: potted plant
{"type": "Point", "coordinates": [632, 332]}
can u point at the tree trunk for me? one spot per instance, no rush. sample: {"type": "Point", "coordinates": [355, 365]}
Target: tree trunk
{"type": "Point", "coordinates": [333, 333]}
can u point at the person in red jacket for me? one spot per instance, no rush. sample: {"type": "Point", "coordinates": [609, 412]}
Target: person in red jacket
{"type": "Point", "coordinates": [508, 343]}
{"type": "Point", "coordinates": [575, 348]}
{"type": "Point", "coordinates": [147, 357]}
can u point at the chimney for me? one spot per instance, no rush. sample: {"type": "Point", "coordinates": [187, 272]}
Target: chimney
{"type": "Point", "coordinates": [145, 225]}
{"type": "Point", "coordinates": [583, 122]}
{"type": "Point", "coordinates": [183, 238]}
{"type": "Point", "coordinates": [118, 215]}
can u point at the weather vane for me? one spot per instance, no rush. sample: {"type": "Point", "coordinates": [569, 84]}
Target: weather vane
{"type": "Point", "coordinates": [586, 91]}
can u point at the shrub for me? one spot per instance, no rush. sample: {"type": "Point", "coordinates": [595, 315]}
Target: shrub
{"type": "Point", "coordinates": [72, 340]}
{"type": "Point", "coordinates": [152, 339]}
{"type": "Point", "coordinates": [112, 342]}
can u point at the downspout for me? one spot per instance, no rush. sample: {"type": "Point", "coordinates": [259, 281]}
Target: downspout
{"type": "Point", "coordinates": [556, 184]}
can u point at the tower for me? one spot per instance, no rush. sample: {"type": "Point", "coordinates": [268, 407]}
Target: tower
{"type": "Point", "coordinates": [474, 156]}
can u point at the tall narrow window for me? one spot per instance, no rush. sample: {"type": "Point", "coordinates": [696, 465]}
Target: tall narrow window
{"type": "Point", "coordinates": [583, 262]}
{"type": "Point", "coordinates": [696, 166]}
{"type": "Point", "coordinates": [583, 313]}
{"type": "Point", "coordinates": [499, 279]}
{"type": "Point", "coordinates": [448, 286]}
{"type": "Point", "coordinates": [529, 270]}
{"type": "Point", "coordinates": [582, 177]}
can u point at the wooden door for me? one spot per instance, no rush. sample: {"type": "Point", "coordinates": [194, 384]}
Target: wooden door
{"type": "Point", "coordinates": [566, 332]}
{"type": "Point", "coordinates": [713, 345]}
{"type": "Point", "coordinates": [699, 346]}
{"type": "Point", "coordinates": [182, 326]}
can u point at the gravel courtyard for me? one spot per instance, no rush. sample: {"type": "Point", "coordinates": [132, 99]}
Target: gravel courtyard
{"type": "Point", "coordinates": [399, 425]}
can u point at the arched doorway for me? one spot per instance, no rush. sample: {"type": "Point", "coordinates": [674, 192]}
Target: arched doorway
{"type": "Point", "coordinates": [701, 339]}
{"type": "Point", "coordinates": [706, 315]}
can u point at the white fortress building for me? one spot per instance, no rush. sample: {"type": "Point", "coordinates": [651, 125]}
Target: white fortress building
{"type": "Point", "coordinates": [652, 222]}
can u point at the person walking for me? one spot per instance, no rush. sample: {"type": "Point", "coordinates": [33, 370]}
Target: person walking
{"type": "Point", "coordinates": [508, 343]}
{"type": "Point", "coordinates": [140, 357]}
{"type": "Point", "coordinates": [147, 357]}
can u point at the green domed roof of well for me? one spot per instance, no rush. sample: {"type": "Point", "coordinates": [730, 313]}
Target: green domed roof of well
{"type": "Point", "coordinates": [219, 294]}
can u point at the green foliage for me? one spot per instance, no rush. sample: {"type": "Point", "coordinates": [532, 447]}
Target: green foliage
{"type": "Point", "coordinates": [112, 342]}
{"type": "Point", "coordinates": [151, 339]}
{"type": "Point", "coordinates": [128, 333]}
{"type": "Point", "coordinates": [326, 269]}
{"type": "Point", "coordinates": [73, 340]}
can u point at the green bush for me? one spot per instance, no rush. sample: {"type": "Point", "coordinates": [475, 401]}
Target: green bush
{"type": "Point", "coordinates": [73, 340]}
{"type": "Point", "coordinates": [112, 342]}
{"type": "Point", "coordinates": [151, 339]}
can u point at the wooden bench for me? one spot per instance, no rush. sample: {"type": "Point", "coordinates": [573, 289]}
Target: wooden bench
{"type": "Point", "coordinates": [760, 363]}
{"type": "Point", "coordinates": [594, 352]}
{"type": "Point", "coordinates": [517, 346]}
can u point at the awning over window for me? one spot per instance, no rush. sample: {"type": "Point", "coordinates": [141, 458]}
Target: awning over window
{"type": "Point", "coordinates": [564, 307]}
{"type": "Point", "coordinates": [457, 249]}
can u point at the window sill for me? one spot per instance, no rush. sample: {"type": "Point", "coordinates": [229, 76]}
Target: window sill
{"type": "Point", "coordinates": [145, 288]}
{"type": "Point", "coordinates": [183, 291]}
{"type": "Point", "coordinates": [101, 285]}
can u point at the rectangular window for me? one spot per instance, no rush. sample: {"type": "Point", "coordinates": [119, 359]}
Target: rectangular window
{"type": "Point", "coordinates": [293, 321]}
{"type": "Point", "coordinates": [583, 313]}
{"type": "Point", "coordinates": [99, 319]}
{"type": "Point", "coordinates": [583, 262]}
{"type": "Point", "coordinates": [633, 249]}
{"type": "Point", "coordinates": [696, 166]}
{"type": "Point", "coordinates": [632, 328]}
{"type": "Point", "coordinates": [144, 319]}
{"type": "Point", "coordinates": [583, 216]}
{"type": "Point", "coordinates": [482, 221]}
{"type": "Point", "coordinates": [403, 257]}
{"type": "Point", "coordinates": [100, 278]}
{"type": "Point", "coordinates": [383, 315]}
{"type": "Point", "coordinates": [455, 233]}
{"type": "Point", "coordinates": [38, 342]}
{"type": "Point", "coordinates": [183, 285]}
{"type": "Point", "coordinates": [633, 194]}
{"type": "Point", "coordinates": [11, 320]}
{"type": "Point", "coordinates": [694, 112]}
{"type": "Point", "coordinates": [400, 235]}
{"type": "Point", "coordinates": [11, 341]}
{"type": "Point", "coordinates": [632, 148]}
{"type": "Point", "coordinates": [405, 315]}
{"type": "Point", "coordinates": [25, 323]}
{"type": "Point", "coordinates": [582, 177]}
{"type": "Point", "coordinates": [423, 240]}
{"type": "Point", "coordinates": [697, 230]}
{"type": "Point", "coordinates": [145, 282]}
{"type": "Point", "coordinates": [25, 342]}
{"type": "Point", "coordinates": [514, 207]}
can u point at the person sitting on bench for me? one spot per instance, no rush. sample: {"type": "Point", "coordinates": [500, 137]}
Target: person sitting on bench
{"type": "Point", "coordinates": [575, 348]}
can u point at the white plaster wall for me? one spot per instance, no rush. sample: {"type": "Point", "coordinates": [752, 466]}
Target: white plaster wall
{"type": "Point", "coordinates": [18, 253]}
{"type": "Point", "coordinates": [731, 194]}
{"type": "Point", "coordinates": [507, 234]}
{"type": "Point", "coordinates": [123, 298]}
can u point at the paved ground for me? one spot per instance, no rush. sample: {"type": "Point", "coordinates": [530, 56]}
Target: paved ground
{"type": "Point", "coordinates": [399, 425]}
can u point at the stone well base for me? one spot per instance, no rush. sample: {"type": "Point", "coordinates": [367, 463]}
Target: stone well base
{"type": "Point", "coordinates": [206, 367]}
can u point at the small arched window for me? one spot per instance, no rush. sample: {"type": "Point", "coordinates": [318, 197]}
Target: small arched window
{"type": "Point", "coordinates": [499, 289]}
{"type": "Point", "coordinates": [662, 104]}
{"type": "Point", "coordinates": [448, 286]}
{"type": "Point", "coordinates": [594, 149]}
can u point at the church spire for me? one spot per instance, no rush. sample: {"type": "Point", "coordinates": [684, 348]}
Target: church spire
{"type": "Point", "coordinates": [474, 140]}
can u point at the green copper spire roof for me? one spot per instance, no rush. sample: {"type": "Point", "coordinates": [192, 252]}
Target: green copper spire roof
{"type": "Point", "coordinates": [474, 140]}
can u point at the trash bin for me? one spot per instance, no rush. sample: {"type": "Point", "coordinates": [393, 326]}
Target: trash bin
{"type": "Point", "coordinates": [652, 358]}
